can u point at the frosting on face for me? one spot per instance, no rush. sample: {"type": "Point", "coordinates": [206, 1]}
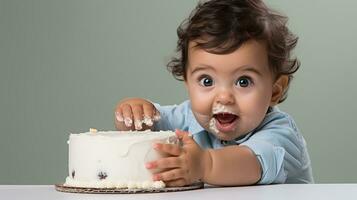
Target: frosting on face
{"type": "Point", "coordinates": [212, 126]}
{"type": "Point", "coordinates": [218, 108]}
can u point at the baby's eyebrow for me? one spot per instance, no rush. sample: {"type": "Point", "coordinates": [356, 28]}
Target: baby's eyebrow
{"type": "Point", "coordinates": [243, 68]}
{"type": "Point", "coordinates": [249, 68]}
{"type": "Point", "coordinates": [202, 67]}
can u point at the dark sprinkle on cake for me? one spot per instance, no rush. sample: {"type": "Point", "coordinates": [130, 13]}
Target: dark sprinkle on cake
{"type": "Point", "coordinates": [73, 173]}
{"type": "Point", "coordinates": [102, 175]}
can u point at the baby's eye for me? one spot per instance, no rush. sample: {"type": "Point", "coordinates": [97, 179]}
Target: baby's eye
{"type": "Point", "coordinates": [244, 81]}
{"type": "Point", "coordinates": [206, 81]}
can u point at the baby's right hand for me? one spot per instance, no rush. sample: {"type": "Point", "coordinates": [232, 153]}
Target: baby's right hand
{"type": "Point", "coordinates": [135, 114]}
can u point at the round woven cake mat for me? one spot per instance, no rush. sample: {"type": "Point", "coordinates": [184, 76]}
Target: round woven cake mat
{"type": "Point", "coordinates": [63, 188]}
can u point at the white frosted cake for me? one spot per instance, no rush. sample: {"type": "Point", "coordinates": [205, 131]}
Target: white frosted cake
{"type": "Point", "coordinates": [114, 159]}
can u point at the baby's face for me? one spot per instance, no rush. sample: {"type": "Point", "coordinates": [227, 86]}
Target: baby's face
{"type": "Point", "coordinates": [230, 93]}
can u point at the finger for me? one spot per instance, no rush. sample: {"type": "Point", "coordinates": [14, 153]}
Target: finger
{"type": "Point", "coordinates": [157, 115]}
{"type": "Point", "coordinates": [165, 163]}
{"type": "Point", "coordinates": [185, 136]}
{"type": "Point", "coordinates": [119, 115]}
{"type": "Point", "coordinates": [172, 149]}
{"type": "Point", "coordinates": [127, 115]}
{"type": "Point", "coordinates": [169, 175]}
{"type": "Point", "coordinates": [180, 133]}
{"type": "Point", "coordinates": [176, 183]}
{"type": "Point", "coordinates": [149, 110]}
{"type": "Point", "coordinates": [138, 116]}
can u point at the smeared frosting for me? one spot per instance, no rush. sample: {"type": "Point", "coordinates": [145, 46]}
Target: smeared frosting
{"type": "Point", "coordinates": [212, 126]}
{"type": "Point", "coordinates": [219, 108]}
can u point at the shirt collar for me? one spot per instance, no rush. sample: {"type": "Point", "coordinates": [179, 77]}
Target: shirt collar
{"type": "Point", "coordinates": [243, 138]}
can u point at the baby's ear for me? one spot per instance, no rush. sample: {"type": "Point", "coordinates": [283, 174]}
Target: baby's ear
{"type": "Point", "coordinates": [279, 88]}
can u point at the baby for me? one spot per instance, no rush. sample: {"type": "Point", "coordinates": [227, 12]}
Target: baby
{"type": "Point", "coordinates": [234, 58]}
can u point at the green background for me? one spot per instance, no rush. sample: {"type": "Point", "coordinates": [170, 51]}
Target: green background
{"type": "Point", "coordinates": [64, 65]}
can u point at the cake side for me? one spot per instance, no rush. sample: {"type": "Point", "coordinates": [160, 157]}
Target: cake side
{"type": "Point", "coordinates": [114, 159]}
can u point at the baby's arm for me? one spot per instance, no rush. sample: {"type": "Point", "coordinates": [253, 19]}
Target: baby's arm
{"type": "Point", "coordinates": [233, 165]}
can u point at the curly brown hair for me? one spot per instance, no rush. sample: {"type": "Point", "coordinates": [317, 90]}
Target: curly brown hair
{"type": "Point", "coordinates": [222, 26]}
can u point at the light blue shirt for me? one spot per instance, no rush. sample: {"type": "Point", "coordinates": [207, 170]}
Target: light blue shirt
{"type": "Point", "coordinates": [277, 142]}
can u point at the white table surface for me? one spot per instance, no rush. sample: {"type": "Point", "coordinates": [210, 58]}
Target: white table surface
{"type": "Point", "coordinates": [275, 192]}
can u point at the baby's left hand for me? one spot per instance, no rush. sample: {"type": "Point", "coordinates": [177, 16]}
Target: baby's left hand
{"type": "Point", "coordinates": [184, 165]}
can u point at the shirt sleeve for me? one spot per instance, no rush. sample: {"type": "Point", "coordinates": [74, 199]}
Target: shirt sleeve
{"type": "Point", "coordinates": [172, 117]}
{"type": "Point", "coordinates": [278, 148]}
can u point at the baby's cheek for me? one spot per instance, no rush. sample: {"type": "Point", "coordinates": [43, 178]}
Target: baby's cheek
{"type": "Point", "coordinates": [254, 118]}
{"type": "Point", "coordinates": [203, 120]}
{"type": "Point", "coordinates": [200, 103]}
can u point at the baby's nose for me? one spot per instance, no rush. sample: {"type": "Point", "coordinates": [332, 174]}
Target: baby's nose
{"type": "Point", "coordinates": [225, 97]}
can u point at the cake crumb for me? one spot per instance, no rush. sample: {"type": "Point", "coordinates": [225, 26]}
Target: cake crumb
{"type": "Point", "coordinates": [93, 130]}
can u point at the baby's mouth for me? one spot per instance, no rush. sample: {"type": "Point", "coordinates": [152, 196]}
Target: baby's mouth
{"type": "Point", "coordinates": [226, 122]}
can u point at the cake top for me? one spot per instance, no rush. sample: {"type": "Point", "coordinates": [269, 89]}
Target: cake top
{"type": "Point", "coordinates": [122, 135]}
